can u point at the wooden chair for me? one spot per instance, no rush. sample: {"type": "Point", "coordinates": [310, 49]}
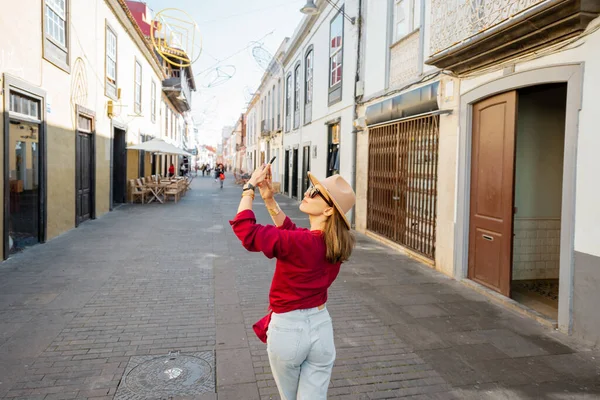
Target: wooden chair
{"type": "Point", "coordinates": [172, 191]}
{"type": "Point", "coordinates": [188, 183]}
{"type": "Point", "coordinates": [137, 192]}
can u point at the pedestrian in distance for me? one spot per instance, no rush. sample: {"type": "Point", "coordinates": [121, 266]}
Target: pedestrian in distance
{"type": "Point", "coordinates": [298, 329]}
{"type": "Point", "coordinates": [171, 170]}
{"type": "Point", "coordinates": [220, 174]}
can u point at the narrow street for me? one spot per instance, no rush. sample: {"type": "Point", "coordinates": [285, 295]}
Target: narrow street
{"type": "Point", "coordinates": [147, 280]}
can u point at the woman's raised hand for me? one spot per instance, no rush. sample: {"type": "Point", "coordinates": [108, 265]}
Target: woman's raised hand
{"type": "Point", "coordinates": [266, 189]}
{"type": "Point", "coordinates": [261, 173]}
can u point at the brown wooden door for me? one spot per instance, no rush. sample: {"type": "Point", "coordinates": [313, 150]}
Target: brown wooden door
{"type": "Point", "coordinates": [492, 187]}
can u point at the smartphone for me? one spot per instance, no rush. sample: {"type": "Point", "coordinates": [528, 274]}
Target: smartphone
{"type": "Point", "coordinates": [272, 159]}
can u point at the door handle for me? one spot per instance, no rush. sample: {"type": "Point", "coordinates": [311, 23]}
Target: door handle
{"type": "Point", "coordinates": [488, 237]}
{"type": "Point", "coordinates": [395, 198]}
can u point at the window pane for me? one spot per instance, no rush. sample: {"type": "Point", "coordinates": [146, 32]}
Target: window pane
{"type": "Point", "coordinates": [58, 6]}
{"type": "Point", "coordinates": [337, 28]}
{"type": "Point", "coordinates": [336, 69]}
{"type": "Point", "coordinates": [417, 14]}
{"type": "Point", "coordinates": [309, 78]}
{"type": "Point", "coordinates": [401, 18]}
{"type": "Point", "coordinates": [55, 26]}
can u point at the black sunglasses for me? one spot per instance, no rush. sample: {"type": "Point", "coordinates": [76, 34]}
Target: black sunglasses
{"type": "Point", "coordinates": [314, 191]}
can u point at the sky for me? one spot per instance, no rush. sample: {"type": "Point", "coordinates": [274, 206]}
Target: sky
{"type": "Point", "coordinates": [228, 27]}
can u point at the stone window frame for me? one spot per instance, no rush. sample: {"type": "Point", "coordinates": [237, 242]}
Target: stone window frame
{"type": "Point", "coordinates": [309, 79]}
{"type": "Point", "coordinates": [108, 85]}
{"type": "Point", "coordinates": [297, 93]}
{"type": "Point", "coordinates": [153, 101]}
{"type": "Point", "coordinates": [335, 89]}
{"type": "Point", "coordinates": [137, 105]}
{"type": "Point", "coordinates": [54, 52]}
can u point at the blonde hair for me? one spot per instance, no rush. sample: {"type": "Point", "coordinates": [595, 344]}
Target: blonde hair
{"type": "Point", "coordinates": [339, 240]}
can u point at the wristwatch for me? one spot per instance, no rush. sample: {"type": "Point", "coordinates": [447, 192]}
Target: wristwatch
{"type": "Point", "coordinates": [274, 211]}
{"type": "Point", "coordinates": [249, 187]}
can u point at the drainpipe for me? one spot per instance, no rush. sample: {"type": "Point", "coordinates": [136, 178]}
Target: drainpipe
{"type": "Point", "coordinates": [359, 25]}
{"type": "Point", "coordinates": [421, 59]}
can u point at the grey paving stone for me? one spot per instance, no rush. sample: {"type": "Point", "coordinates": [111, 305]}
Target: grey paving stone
{"type": "Point", "coordinates": [231, 336]}
{"type": "Point", "coordinates": [245, 391]}
{"type": "Point", "coordinates": [234, 366]}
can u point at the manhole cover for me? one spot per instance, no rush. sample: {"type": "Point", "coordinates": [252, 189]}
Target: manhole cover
{"type": "Point", "coordinates": [162, 377]}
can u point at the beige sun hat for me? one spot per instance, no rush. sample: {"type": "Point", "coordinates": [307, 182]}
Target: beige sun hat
{"type": "Point", "coordinates": [339, 191]}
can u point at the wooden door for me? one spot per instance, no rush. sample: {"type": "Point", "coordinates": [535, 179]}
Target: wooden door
{"type": "Point", "coordinates": [305, 168]}
{"type": "Point", "coordinates": [120, 167]}
{"type": "Point", "coordinates": [492, 192]}
{"type": "Point", "coordinates": [286, 174]}
{"type": "Point", "coordinates": [295, 174]}
{"type": "Point", "coordinates": [84, 177]}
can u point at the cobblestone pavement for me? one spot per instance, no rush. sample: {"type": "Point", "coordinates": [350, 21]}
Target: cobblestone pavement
{"type": "Point", "coordinates": [153, 279]}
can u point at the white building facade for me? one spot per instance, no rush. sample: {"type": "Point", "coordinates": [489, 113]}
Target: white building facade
{"type": "Point", "coordinates": [488, 172]}
{"type": "Point", "coordinates": [319, 108]}
{"type": "Point", "coordinates": [271, 92]}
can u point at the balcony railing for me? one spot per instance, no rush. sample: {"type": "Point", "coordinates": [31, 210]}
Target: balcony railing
{"type": "Point", "coordinates": [178, 90]}
{"type": "Point", "coordinates": [265, 127]}
{"type": "Point", "coordinates": [470, 34]}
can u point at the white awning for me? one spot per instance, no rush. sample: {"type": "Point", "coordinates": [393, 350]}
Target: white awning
{"type": "Point", "coordinates": [159, 146]}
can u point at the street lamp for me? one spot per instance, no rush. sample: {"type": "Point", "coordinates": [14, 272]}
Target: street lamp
{"type": "Point", "coordinates": [310, 8]}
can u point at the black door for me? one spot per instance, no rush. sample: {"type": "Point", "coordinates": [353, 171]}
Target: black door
{"type": "Point", "coordinates": [85, 184]}
{"type": "Point", "coordinates": [119, 167]}
{"type": "Point", "coordinates": [305, 168]}
{"type": "Point", "coordinates": [295, 175]}
{"type": "Point", "coordinates": [286, 175]}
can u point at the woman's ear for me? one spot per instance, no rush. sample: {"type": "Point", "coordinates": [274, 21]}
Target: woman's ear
{"type": "Point", "coordinates": [328, 212]}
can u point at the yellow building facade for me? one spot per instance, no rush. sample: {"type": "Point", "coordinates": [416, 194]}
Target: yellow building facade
{"type": "Point", "coordinates": [79, 85]}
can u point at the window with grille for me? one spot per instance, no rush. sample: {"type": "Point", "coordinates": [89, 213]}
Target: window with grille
{"type": "Point", "coordinates": [308, 84]}
{"type": "Point", "coordinates": [56, 20]}
{"type": "Point", "coordinates": [138, 88]}
{"type": "Point", "coordinates": [288, 101]}
{"type": "Point", "coordinates": [278, 105]}
{"type": "Point", "coordinates": [22, 104]}
{"type": "Point", "coordinates": [297, 96]}
{"type": "Point", "coordinates": [55, 30]}
{"type": "Point", "coordinates": [111, 63]}
{"type": "Point", "coordinates": [309, 78]}
{"type": "Point", "coordinates": [84, 124]}
{"type": "Point", "coordinates": [153, 101]}
{"type": "Point", "coordinates": [335, 50]}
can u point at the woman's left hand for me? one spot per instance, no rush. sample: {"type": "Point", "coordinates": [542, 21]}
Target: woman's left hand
{"type": "Point", "coordinates": [260, 175]}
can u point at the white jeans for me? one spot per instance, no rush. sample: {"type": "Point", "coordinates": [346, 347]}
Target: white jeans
{"type": "Point", "coordinates": [301, 353]}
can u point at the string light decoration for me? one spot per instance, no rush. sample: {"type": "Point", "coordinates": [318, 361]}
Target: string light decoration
{"type": "Point", "coordinates": [219, 76]}
{"type": "Point", "coordinates": [264, 59]}
{"type": "Point", "coordinates": [176, 37]}
{"type": "Point", "coordinates": [248, 94]}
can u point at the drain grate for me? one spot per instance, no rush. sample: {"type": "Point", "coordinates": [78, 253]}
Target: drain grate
{"type": "Point", "coordinates": [163, 377]}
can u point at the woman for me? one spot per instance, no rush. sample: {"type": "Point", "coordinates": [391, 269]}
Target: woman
{"type": "Point", "coordinates": [171, 171]}
{"type": "Point", "coordinates": [298, 329]}
{"type": "Point", "coordinates": [220, 174]}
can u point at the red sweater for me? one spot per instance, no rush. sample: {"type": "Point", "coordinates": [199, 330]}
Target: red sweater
{"type": "Point", "coordinates": [302, 273]}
